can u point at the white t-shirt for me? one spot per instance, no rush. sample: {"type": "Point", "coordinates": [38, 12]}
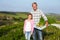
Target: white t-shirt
{"type": "Point", "coordinates": [28, 26]}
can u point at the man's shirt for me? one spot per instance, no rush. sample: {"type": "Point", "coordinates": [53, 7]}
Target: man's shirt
{"type": "Point", "coordinates": [37, 15]}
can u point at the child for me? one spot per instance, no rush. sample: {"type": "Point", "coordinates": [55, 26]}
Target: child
{"type": "Point", "coordinates": [28, 27]}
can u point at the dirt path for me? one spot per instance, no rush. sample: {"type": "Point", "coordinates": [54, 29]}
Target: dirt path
{"type": "Point", "coordinates": [57, 25]}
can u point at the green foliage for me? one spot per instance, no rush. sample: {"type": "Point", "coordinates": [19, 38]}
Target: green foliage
{"type": "Point", "coordinates": [51, 33]}
{"type": "Point", "coordinates": [14, 31]}
{"type": "Point", "coordinates": [50, 20]}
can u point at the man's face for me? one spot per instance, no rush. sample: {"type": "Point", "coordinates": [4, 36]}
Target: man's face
{"type": "Point", "coordinates": [34, 6]}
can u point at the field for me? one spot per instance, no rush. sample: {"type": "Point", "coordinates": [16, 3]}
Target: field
{"type": "Point", "coordinates": [11, 27]}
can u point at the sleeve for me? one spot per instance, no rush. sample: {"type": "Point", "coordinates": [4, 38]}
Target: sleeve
{"type": "Point", "coordinates": [44, 17]}
{"type": "Point", "coordinates": [32, 26]}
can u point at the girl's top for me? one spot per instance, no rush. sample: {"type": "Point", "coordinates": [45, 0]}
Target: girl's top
{"type": "Point", "coordinates": [29, 25]}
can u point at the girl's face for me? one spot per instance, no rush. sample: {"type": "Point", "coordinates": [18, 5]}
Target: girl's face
{"type": "Point", "coordinates": [29, 16]}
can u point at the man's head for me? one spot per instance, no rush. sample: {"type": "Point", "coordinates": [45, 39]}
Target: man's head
{"type": "Point", "coordinates": [34, 6]}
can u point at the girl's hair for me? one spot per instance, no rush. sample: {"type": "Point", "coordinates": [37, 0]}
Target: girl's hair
{"type": "Point", "coordinates": [31, 15]}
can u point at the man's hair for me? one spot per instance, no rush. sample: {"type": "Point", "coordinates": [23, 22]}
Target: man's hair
{"type": "Point", "coordinates": [34, 3]}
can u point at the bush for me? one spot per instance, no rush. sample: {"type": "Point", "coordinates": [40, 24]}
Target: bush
{"type": "Point", "coordinates": [50, 20]}
{"type": "Point", "coordinates": [51, 33]}
{"type": "Point", "coordinates": [12, 32]}
{"type": "Point", "coordinates": [15, 31]}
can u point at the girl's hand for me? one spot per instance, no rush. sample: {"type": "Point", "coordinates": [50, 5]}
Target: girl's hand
{"type": "Point", "coordinates": [31, 33]}
{"type": "Point", "coordinates": [24, 32]}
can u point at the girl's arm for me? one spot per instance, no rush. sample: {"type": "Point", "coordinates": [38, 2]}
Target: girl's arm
{"type": "Point", "coordinates": [32, 28]}
{"type": "Point", "coordinates": [24, 26]}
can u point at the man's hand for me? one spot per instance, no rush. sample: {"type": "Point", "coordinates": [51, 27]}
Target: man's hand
{"type": "Point", "coordinates": [46, 23]}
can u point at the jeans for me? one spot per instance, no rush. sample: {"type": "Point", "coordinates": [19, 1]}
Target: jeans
{"type": "Point", "coordinates": [37, 34]}
{"type": "Point", "coordinates": [27, 35]}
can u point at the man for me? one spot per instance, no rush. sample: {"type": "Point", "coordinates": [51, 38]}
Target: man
{"type": "Point", "coordinates": [37, 14]}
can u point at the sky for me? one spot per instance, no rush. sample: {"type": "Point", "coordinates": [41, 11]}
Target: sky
{"type": "Point", "coordinates": [47, 6]}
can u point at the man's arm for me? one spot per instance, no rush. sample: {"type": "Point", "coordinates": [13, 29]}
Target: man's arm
{"type": "Point", "coordinates": [46, 23]}
{"type": "Point", "coordinates": [45, 18]}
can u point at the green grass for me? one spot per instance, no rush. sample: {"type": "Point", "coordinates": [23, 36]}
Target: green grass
{"type": "Point", "coordinates": [58, 22]}
{"type": "Point", "coordinates": [14, 31]}
{"type": "Point", "coordinates": [51, 33]}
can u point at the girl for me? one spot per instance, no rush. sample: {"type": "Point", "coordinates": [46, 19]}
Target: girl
{"type": "Point", "coordinates": [28, 27]}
